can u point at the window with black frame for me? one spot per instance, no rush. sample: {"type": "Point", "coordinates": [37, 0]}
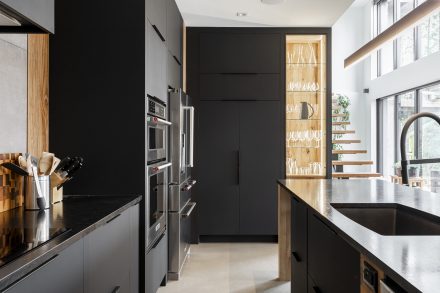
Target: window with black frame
{"type": "Point", "coordinates": [413, 44]}
{"type": "Point", "coordinates": [423, 139]}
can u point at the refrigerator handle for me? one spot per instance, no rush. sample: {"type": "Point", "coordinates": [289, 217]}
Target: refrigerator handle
{"type": "Point", "coordinates": [191, 130]}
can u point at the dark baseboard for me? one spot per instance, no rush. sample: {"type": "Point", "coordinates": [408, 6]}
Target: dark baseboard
{"type": "Point", "coordinates": [239, 238]}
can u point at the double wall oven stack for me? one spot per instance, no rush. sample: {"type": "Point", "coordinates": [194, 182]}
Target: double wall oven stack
{"type": "Point", "coordinates": [157, 171]}
{"type": "Point", "coordinates": [180, 205]}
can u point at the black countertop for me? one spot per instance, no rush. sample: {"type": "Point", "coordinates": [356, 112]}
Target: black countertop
{"type": "Point", "coordinates": [80, 214]}
{"type": "Point", "coordinates": [412, 261]}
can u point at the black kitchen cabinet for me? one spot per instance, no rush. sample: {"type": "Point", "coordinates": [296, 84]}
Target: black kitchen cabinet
{"type": "Point", "coordinates": [240, 52]}
{"type": "Point", "coordinates": [333, 264]}
{"type": "Point", "coordinates": [156, 264]}
{"type": "Point", "coordinates": [155, 64]}
{"type": "Point", "coordinates": [157, 15]}
{"type": "Point", "coordinates": [218, 184]}
{"type": "Point", "coordinates": [299, 246]}
{"type": "Point", "coordinates": [174, 30]}
{"type": "Point", "coordinates": [260, 155]}
{"type": "Point", "coordinates": [108, 260]}
{"type": "Point", "coordinates": [240, 86]}
{"type": "Point", "coordinates": [239, 157]}
{"type": "Point", "coordinates": [34, 15]}
{"type": "Point", "coordinates": [62, 273]}
{"type": "Point", "coordinates": [174, 72]}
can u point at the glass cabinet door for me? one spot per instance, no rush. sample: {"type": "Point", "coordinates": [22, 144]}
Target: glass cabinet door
{"type": "Point", "coordinates": [306, 106]}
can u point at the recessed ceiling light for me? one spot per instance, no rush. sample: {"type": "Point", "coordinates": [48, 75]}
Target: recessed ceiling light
{"type": "Point", "coordinates": [272, 1]}
{"type": "Point", "coordinates": [241, 14]}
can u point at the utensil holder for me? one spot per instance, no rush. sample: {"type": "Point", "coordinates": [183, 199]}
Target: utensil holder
{"type": "Point", "coordinates": [31, 193]}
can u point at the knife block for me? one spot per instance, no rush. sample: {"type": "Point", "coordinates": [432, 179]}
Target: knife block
{"type": "Point", "coordinates": [57, 195]}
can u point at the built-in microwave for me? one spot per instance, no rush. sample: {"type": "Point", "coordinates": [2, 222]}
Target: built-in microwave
{"type": "Point", "coordinates": [157, 127]}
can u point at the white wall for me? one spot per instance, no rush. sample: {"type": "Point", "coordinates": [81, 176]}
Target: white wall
{"type": "Point", "coordinates": [348, 34]}
{"type": "Point", "coordinates": [13, 93]}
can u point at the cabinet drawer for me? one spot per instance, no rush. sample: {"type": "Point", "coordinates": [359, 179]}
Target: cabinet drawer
{"type": "Point", "coordinates": [240, 87]}
{"type": "Point", "coordinates": [156, 265]}
{"type": "Point", "coordinates": [63, 273]}
{"type": "Point", "coordinates": [107, 256]}
{"type": "Point", "coordinates": [240, 53]}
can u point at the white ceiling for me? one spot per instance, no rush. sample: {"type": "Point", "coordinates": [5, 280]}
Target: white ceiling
{"type": "Point", "coordinates": [297, 13]}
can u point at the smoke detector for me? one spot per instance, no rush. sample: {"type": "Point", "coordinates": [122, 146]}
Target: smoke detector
{"type": "Point", "coordinates": [272, 2]}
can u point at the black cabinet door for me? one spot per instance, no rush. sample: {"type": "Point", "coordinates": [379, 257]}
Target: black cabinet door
{"type": "Point", "coordinates": [240, 87]}
{"type": "Point", "coordinates": [174, 30]}
{"type": "Point", "coordinates": [332, 263]}
{"type": "Point", "coordinates": [240, 53]}
{"type": "Point", "coordinates": [156, 69]}
{"type": "Point", "coordinates": [260, 156]}
{"type": "Point", "coordinates": [299, 246]}
{"type": "Point", "coordinates": [157, 15]}
{"type": "Point", "coordinates": [107, 256]}
{"type": "Point", "coordinates": [39, 12]}
{"type": "Point", "coordinates": [63, 273]}
{"type": "Point", "coordinates": [217, 190]}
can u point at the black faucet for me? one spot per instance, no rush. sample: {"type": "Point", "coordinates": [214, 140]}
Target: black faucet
{"type": "Point", "coordinates": [405, 162]}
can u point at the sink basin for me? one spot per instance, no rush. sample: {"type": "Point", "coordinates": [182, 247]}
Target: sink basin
{"type": "Point", "coordinates": [391, 219]}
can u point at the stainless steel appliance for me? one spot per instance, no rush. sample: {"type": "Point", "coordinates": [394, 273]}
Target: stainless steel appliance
{"type": "Point", "coordinates": [156, 201]}
{"type": "Point", "coordinates": [180, 206]}
{"type": "Point", "coordinates": [157, 126]}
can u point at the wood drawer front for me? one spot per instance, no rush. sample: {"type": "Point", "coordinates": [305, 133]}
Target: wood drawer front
{"type": "Point", "coordinates": [240, 87]}
{"type": "Point", "coordinates": [240, 53]}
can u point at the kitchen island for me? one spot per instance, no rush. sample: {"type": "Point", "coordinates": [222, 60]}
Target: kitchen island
{"type": "Point", "coordinates": [321, 239]}
{"type": "Point", "coordinates": [58, 250]}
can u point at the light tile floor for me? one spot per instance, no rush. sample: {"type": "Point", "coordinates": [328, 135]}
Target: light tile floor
{"type": "Point", "coordinates": [230, 267]}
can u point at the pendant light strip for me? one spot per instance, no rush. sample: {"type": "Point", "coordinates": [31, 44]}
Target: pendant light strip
{"type": "Point", "coordinates": [410, 20]}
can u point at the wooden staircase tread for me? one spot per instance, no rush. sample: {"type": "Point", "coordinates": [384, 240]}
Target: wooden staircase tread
{"type": "Point", "coordinates": [343, 131]}
{"type": "Point", "coordinates": [345, 141]}
{"type": "Point", "coordinates": [351, 163]}
{"type": "Point", "coordinates": [341, 123]}
{"type": "Point", "coordinates": [339, 115]}
{"type": "Point", "coordinates": [355, 175]}
{"type": "Point", "coordinates": [349, 152]}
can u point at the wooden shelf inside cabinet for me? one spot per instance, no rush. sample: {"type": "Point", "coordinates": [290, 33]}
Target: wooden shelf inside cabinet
{"type": "Point", "coordinates": [306, 66]}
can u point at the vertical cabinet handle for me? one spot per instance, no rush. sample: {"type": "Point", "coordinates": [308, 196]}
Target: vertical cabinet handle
{"type": "Point", "coordinates": [296, 256]}
{"type": "Point", "coordinates": [117, 289]}
{"type": "Point", "coordinates": [316, 289]}
{"type": "Point", "coordinates": [238, 167]}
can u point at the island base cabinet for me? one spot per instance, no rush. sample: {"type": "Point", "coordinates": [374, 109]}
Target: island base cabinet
{"type": "Point", "coordinates": [156, 265]}
{"type": "Point", "coordinates": [61, 273]}
{"type": "Point", "coordinates": [333, 264]}
{"type": "Point", "coordinates": [107, 256]}
{"type": "Point", "coordinates": [299, 247]}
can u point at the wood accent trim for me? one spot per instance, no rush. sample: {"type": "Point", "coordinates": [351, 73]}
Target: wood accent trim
{"type": "Point", "coordinates": [380, 274]}
{"type": "Point", "coordinates": [409, 20]}
{"type": "Point", "coordinates": [346, 141]}
{"type": "Point", "coordinates": [342, 163]}
{"type": "Point", "coordinates": [349, 152]}
{"type": "Point", "coordinates": [355, 175]}
{"type": "Point", "coordinates": [38, 94]}
{"type": "Point", "coordinates": [284, 232]}
{"type": "Point", "coordinates": [184, 78]}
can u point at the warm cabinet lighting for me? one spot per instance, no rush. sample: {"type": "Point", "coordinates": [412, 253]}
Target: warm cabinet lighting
{"type": "Point", "coordinates": [410, 20]}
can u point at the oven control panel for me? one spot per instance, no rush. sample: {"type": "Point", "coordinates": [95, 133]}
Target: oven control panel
{"type": "Point", "coordinates": [156, 107]}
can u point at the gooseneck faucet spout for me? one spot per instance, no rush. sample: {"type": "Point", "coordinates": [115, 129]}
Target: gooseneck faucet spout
{"type": "Point", "coordinates": [404, 161]}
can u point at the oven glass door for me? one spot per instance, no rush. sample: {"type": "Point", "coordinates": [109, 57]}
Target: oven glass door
{"type": "Point", "coordinates": [156, 142]}
{"type": "Point", "coordinates": [157, 198]}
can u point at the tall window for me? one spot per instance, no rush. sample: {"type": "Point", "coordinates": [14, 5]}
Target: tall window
{"type": "Point", "coordinates": [423, 139]}
{"type": "Point", "coordinates": [413, 44]}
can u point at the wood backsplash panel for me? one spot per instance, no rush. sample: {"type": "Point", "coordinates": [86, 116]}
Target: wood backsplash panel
{"type": "Point", "coordinates": [38, 93]}
{"type": "Point", "coordinates": [11, 185]}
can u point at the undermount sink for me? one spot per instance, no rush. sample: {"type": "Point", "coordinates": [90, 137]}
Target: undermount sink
{"type": "Point", "coordinates": [391, 219]}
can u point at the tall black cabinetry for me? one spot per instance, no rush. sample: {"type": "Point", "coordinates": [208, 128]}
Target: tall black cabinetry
{"type": "Point", "coordinates": [234, 76]}
{"type": "Point", "coordinates": [105, 57]}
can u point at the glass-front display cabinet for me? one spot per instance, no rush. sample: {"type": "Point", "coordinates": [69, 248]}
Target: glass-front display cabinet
{"type": "Point", "coordinates": [306, 104]}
